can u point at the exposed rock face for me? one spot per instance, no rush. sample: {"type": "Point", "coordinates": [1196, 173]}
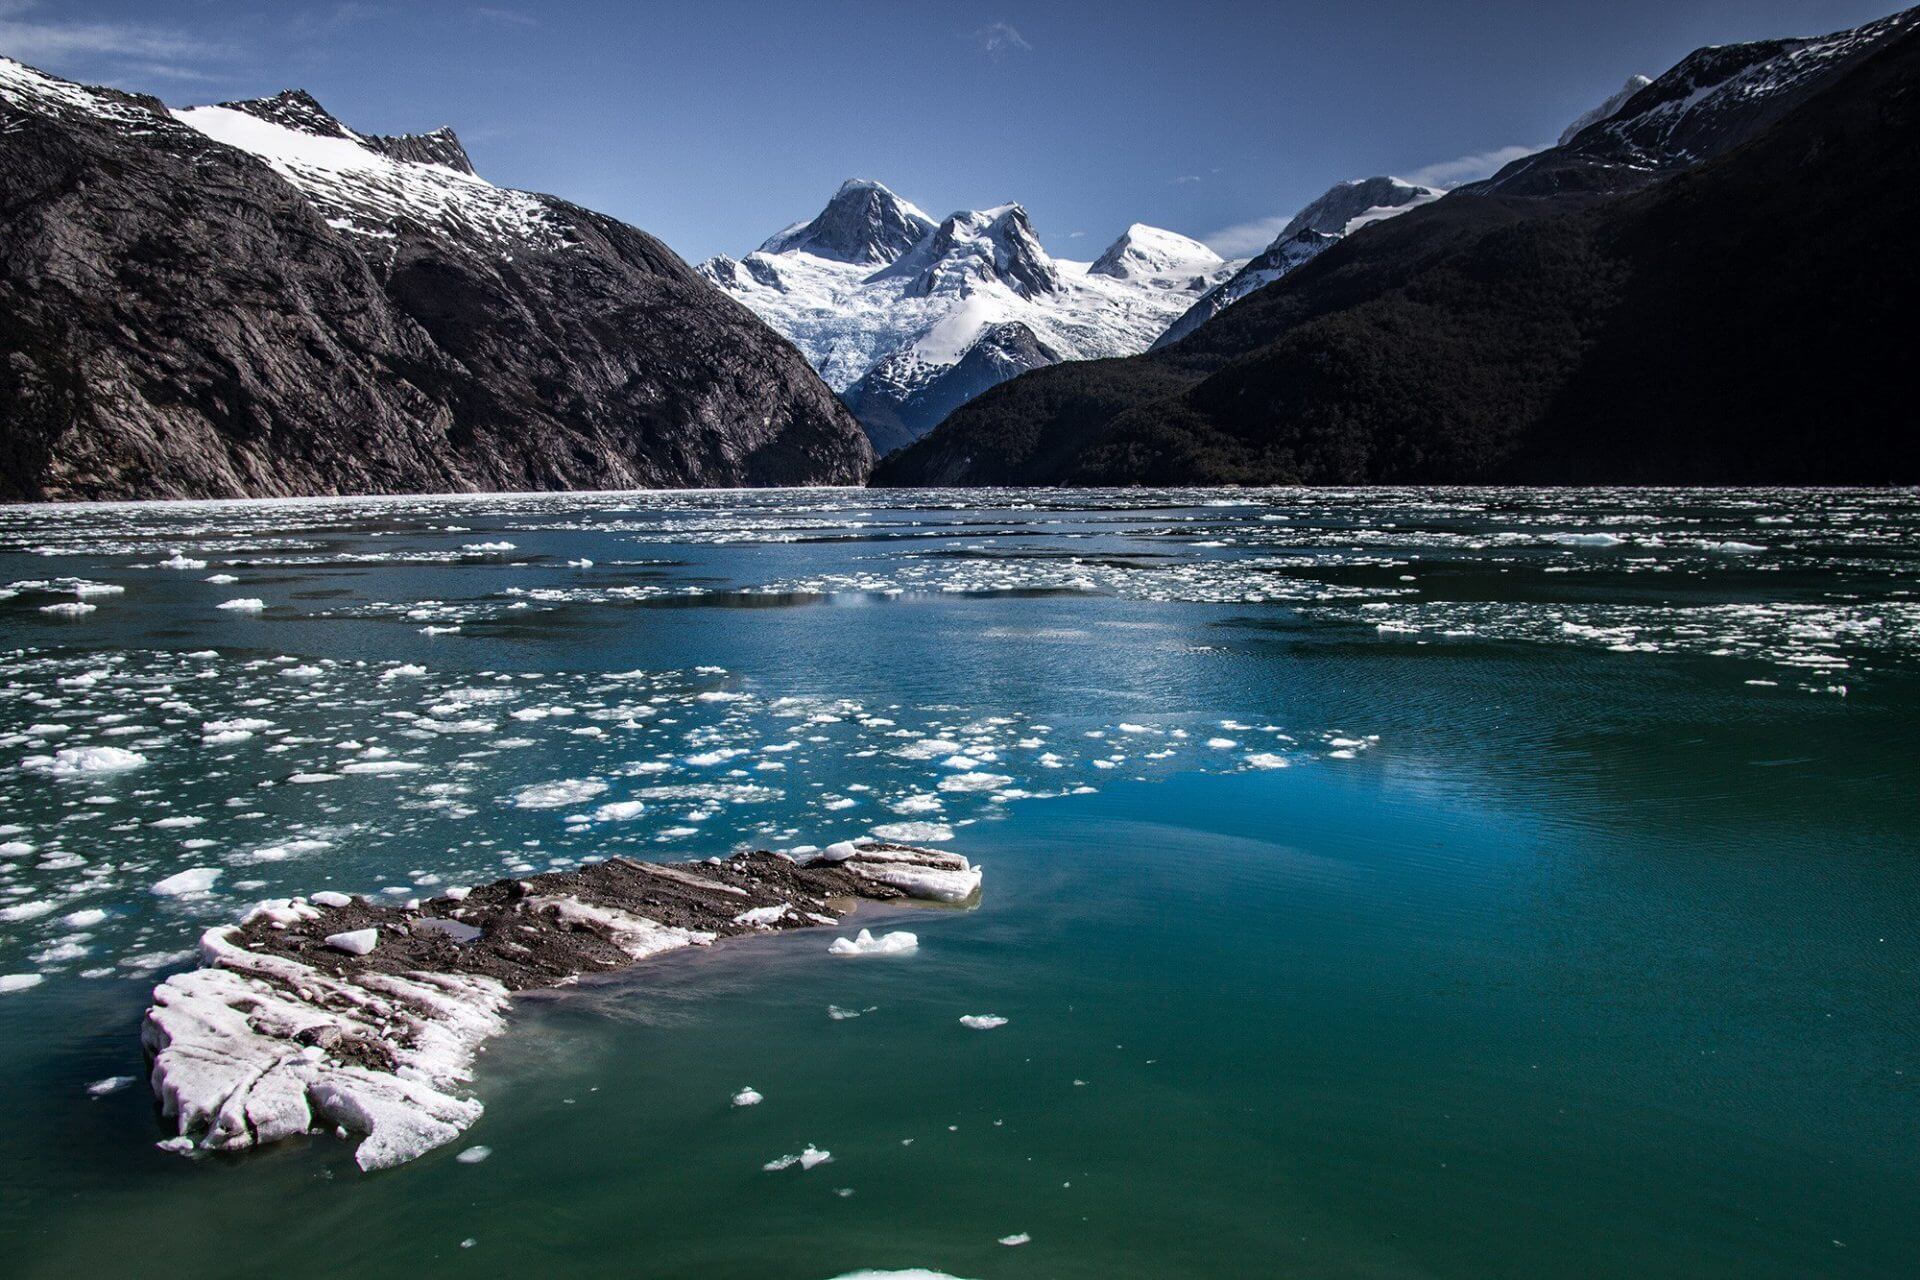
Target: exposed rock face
{"type": "Point", "coordinates": [254, 300]}
{"type": "Point", "coordinates": [863, 223]}
{"type": "Point", "coordinates": [335, 1011]}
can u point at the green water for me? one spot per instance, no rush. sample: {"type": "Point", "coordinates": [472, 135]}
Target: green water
{"type": "Point", "coordinates": [1595, 963]}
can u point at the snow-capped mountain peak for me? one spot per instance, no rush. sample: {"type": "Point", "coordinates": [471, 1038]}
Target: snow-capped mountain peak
{"type": "Point", "coordinates": [975, 247]}
{"type": "Point", "coordinates": [863, 223]}
{"type": "Point", "coordinates": [1348, 206]}
{"type": "Point", "coordinates": [1341, 210]}
{"type": "Point", "coordinates": [369, 185]}
{"type": "Point", "coordinates": [1606, 109]}
{"type": "Point", "coordinates": [1144, 252]}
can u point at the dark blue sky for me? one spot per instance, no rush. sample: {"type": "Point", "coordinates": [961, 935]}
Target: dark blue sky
{"type": "Point", "coordinates": [713, 124]}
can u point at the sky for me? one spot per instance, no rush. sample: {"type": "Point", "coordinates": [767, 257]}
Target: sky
{"type": "Point", "coordinates": [715, 124]}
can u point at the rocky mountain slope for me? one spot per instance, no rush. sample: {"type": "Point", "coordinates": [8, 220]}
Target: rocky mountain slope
{"type": "Point", "coordinates": [253, 299]}
{"type": "Point", "coordinates": [1345, 208]}
{"type": "Point", "coordinates": [909, 318]}
{"type": "Point", "coordinates": [1706, 287]}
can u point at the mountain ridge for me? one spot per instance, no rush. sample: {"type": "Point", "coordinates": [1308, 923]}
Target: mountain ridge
{"type": "Point", "coordinates": [214, 303]}
{"type": "Point", "coordinates": [1665, 333]}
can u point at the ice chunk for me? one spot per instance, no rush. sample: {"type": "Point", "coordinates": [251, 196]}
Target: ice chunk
{"type": "Point", "coordinates": [1019, 1239]}
{"type": "Point", "coordinates": [474, 1154]}
{"type": "Point", "coordinates": [182, 884]}
{"type": "Point", "coordinates": [112, 1084]}
{"type": "Point", "coordinates": [356, 942]}
{"type": "Point", "coordinates": [12, 982]}
{"type": "Point", "coordinates": [328, 898]}
{"type": "Point", "coordinates": [896, 943]}
{"type": "Point", "coordinates": [748, 1097]}
{"type": "Point", "coordinates": [80, 762]}
{"type": "Point", "coordinates": [982, 1021]}
{"type": "Point", "coordinates": [807, 1159]}
{"type": "Point", "coordinates": [556, 795]}
{"type": "Point", "coordinates": [245, 604]}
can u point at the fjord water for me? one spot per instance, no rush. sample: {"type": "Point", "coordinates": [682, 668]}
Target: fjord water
{"type": "Point", "coordinates": [1393, 883]}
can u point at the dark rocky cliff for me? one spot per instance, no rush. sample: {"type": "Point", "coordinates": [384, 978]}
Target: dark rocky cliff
{"type": "Point", "coordinates": [1738, 320]}
{"type": "Point", "coordinates": [181, 318]}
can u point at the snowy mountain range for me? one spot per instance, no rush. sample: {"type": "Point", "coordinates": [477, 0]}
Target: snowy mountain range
{"type": "Point", "coordinates": [907, 317]}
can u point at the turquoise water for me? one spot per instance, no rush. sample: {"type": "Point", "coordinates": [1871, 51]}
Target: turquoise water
{"type": "Point", "coordinates": [1378, 884]}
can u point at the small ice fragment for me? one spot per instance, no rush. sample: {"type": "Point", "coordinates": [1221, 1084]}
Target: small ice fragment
{"type": "Point", "coordinates": [983, 1021]}
{"type": "Point", "coordinates": [356, 942]}
{"type": "Point", "coordinates": [474, 1154]}
{"type": "Point", "coordinates": [112, 1084]}
{"type": "Point", "coordinates": [12, 982]}
{"type": "Point", "coordinates": [329, 898]}
{"type": "Point", "coordinates": [748, 1097]}
{"type": "Point", "coordinates": [896, 943]}
{"type": "Point", "coordinates": [1012, 1240]}
{"type": "Point", "coordinates": [181, 884]}
{"type": "Point", "coordinates": [245, 604]}
{"type": "Point", "coordinates": [806, 1160]}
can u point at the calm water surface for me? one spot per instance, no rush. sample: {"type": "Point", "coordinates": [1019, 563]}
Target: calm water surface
{"type": "Point", "coordinates": [1379, 884]}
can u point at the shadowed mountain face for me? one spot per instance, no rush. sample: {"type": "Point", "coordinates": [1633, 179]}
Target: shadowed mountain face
{"type": "Point", "coordinates": [253, 299]}
{"type": "Point", "coordinates": [1736, 320]}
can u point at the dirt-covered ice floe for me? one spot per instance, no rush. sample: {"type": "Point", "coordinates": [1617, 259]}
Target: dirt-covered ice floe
{"type": "Point", "coordinates": [284, 1030]}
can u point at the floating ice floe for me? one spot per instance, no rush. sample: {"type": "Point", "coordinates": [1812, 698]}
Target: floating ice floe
{"type": "Point", "coordinates": [182, 884]}
{"type": "Point", "coordinates": [81, 762]}
{"type": "Point", "coordinates": [245, 604]}
{"type": "Point", "coordinates": [748, 1097]}
{"type": "Point", "coordinates": [334, 1012]}
{"type": "Point", "coordinates": [896, 943]}
{"type": "Point", "coordinates": [807, 1159]}
{"type": "Point", "coordinates": [558, 795]}
{"type": "Point", "coordinates": [982, 1021]}
{"type": "Point", "coordinates": [12, 982]}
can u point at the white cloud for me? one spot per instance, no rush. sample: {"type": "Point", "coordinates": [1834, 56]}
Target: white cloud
{"type": "Point", "coordinates": [999, 39]}
{"type": "Point", "coordinates": [31, 40]}
{"type": "Point", "coordinates": [1244, 239]}
{"type": "Point", "coordinates": [1483, 164]}
{"type": "Point", "coordinates": [512, 16]}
